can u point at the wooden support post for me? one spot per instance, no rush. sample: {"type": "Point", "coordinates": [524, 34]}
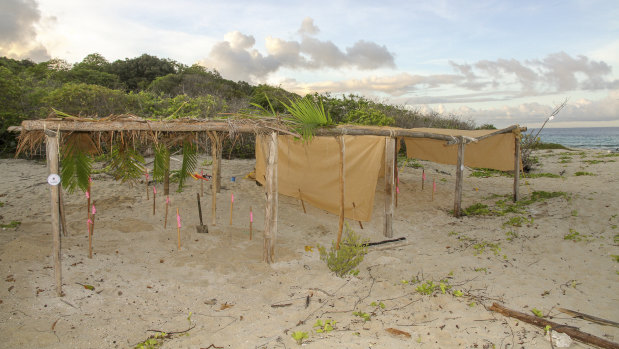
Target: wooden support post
{"type": "Point", "coordinates": [459, 177]}
{"type": "Point", "coordinates": [63, 219]}
{"type": "Point", "coordinates": [270, 185]}
{"type": "Point", "coordinates": [342, 183]}
{"type": "Point", "coordinates": [51, 141]}
{"type": "Point", "coordinates": [389, 186]}
{"type": "Point", "coordinates": [215, 177]}
{"type": "Point", "coordinates": [166, 177]}
{"type": "Point", "coordinates": [517, 169]}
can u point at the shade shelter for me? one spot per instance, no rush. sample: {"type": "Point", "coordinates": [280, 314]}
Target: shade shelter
{"type": "Point", "coordinates": [349, 140]}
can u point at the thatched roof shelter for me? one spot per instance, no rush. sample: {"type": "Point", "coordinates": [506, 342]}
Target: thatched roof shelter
{"type": "Point", "coordinates": [104, 132]}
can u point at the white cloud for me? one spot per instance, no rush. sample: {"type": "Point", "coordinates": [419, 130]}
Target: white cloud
{"type": "Point", "coordinates": [237, 59]}
{"type": "Point", "coordinates": [18, 37]}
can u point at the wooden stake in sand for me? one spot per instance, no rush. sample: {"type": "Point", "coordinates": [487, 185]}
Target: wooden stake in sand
{"type": "Point", "coordinates": [301, 198]}
{"type": "Point", "coordinates": [202, 183]}
{"type": "Point", "coordinates": [433, 188]}
{"type": "Point", "coordinates": [88, 202]}
{"type": "Point", "coordinates": [91, 229]}
{"type": "Point", "coordinates": [231, 206]}
{"type": "Point", "coordinates": [251, 221]}
{"type": "Point", "coordinates": [147, 194]}
{"type": "Point", "coordinates": [423, 177]}
{"type": "Point", "coordinates": [167, 202]}
{"type": "Point", "coordinates": [517, 169]}
{"type": "Point", "coordinates": [154, 198]}
{"type": "Point", "coordinates": [178, 228]}
{"type": "Point", "coordinates": [354, 207]}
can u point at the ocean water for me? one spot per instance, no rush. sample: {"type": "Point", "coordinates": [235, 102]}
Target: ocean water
{"type": "Point", "coordinates": [606, 138]}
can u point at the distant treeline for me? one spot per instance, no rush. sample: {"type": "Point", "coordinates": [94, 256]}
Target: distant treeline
{"type": "Point", "coordinates": [149, 86]}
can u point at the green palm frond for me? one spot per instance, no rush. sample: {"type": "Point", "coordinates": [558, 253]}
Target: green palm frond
{"type": "Point", "coordinates": [307, 116]}
{"type": "Point", "coordinates": [162, 162]}
{"type": "Point", "coordinates": [127, 164]}
{"type": "Point", "coordinates": [77, 161]}
{"type": "Point", "coordinates": [190, 162]}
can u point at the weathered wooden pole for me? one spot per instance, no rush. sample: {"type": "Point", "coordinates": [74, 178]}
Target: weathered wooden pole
{"type": "Point", "coordinates": [215, 176]}
{"type": "Point", "coordinates": [459, 177]}
{"type": "Point", "coordinates": [389, 186]}
{"type": "Point", "coordinates": [51, 140]}
{"type": "Point", "coordinates": [517, 168]}
{"type": "Point", "coordinates": [270, 186]}
{"type": "Point", "coordinates": [342, 156]}
{"type": "Point", "coordinates": [63, 219]}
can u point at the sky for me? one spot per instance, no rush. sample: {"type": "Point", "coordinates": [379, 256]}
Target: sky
{"type": "Point", "coordinates": [496, 62]}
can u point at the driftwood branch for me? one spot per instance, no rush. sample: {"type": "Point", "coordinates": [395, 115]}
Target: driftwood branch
{"type": "Point", "coordinates": [573, 332]}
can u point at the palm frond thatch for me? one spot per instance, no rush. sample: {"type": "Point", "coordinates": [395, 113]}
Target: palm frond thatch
{"type": "Point", "coordinates": [162, 162]}
{"type": "Point", "coordinates": [127, 164]}
{"type": "Point", "coordinates": [77, 161]}
{"type": "Point", "coordinates": [307, 116]}
{"type": "Point", "coordinates": [189, 164]}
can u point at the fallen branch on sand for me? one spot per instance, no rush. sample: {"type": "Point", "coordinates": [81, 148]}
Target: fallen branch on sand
{"type": "Point", "coordinates": [573, 332]}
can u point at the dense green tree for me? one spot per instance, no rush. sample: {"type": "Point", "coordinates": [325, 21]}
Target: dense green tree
{"type": "Point", "coordinates": [137, 73]}
{"type": "Point", "coordinates": [87, 100]}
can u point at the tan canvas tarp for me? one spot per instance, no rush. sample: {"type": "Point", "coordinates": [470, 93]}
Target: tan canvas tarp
{"type": "Point", "coordinates": [313, 168]}
{"type": "Point", "coordinates": [496, 152]}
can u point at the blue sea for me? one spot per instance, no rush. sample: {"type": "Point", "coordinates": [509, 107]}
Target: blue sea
{"type": "Point", "coordinates": [606, 138]}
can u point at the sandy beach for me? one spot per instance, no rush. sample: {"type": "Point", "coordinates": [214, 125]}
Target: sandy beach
{"type": "Point", "coordinates": [216, 291]}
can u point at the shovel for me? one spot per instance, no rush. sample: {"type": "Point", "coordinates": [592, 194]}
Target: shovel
{"type": "Point", "coordinates": [201, 229]}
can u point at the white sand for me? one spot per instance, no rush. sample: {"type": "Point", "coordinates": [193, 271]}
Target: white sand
{"type": "Point", "coordinates": [143, 283]}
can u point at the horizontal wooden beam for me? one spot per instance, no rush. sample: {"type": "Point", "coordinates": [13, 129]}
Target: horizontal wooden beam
{"type": "Point", "coordinates": [223, 126]}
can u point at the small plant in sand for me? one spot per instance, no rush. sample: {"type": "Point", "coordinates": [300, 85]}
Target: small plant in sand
{"type": "Point", "coordinates": [480, 248]}
{"type": "Point", "coordinates": [477, 209]}
{"type": "Point", "coordinates": [537, 312]}
{"type": "Point", "coordinates": [365, 316]}
{"type": "Point", "coordinates": [517, 221]}
{"type": "Point", "coordinates": [299, 336]}
{"type": "Point", "coordinates": [324, 326]}
{"type": "Point", "coordinates": [575, 236]}
{"type": "Point", "coordinates": [344, 261]}
{"type": "Point", "coordinates": [583, 173]}
{"type": "Point", "coordinates": [13, 224]}
{"type": "Point", "coordinates": [379, 305]}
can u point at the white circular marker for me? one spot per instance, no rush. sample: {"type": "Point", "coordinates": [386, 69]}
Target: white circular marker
{"type": "Point", "coordinates": [53, 179]}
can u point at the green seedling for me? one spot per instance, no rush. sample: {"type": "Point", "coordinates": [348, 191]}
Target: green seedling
{"type": "Point", "coordinates": [537, 312]}
{"type": "Point", "coordinates": [540, 175]}
{"type": "Point", "coordinates": [615, 257]}
{"type": "Point", "coordinates": [13, 224]}
{"type": "Point", "coordinates": [582, 173]}
{"type": "Point", "coordinates": [479, 270]}
{"type": "Point", "coordinates": [155, 341]}
{"type": "Point", "coordinates": [480, 248]}
{"type": "Point", "coordinates": [477, 209]}
{"type": "Point", "coordinates": [472, 304]}
{"type": "Point", "coordinates": [547, 329]}
{"type": "Point", "coordinates": [575, 236]}
{"type": "Point", "coordinates": [511, 235]}
{"type": "Point", "coordinates": [426, 288]}
{"type": "Point", "coordinates": [574, 213]}
{"type": "Point", "coordinates": [458, 293]}
{"type": "Point", "coordinates": [365, 316]}
{"type": "Point", "coordinates": [299, 336]}
{"type": "Point", "coordinates": [324, 327]}
{"type": "Point", "coordinates": [518, 221]}
{"type": "Point", "coordinates": [379, 304]}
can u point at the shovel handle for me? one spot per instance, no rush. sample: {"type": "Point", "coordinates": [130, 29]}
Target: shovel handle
{"type": "Point", "coordinates": [199, 208]}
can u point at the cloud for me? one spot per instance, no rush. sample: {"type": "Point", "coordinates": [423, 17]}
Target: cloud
{"type": "Point", "coordinates": [18, 20]}
{"type": "Point", "coordinates": [482, 81]}
{"type": "Point", "coordinates": [581, 110]}
{"type": "Point", "coordinates": [236, 58]}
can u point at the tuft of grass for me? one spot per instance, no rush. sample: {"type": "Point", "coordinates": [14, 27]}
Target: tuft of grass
{"type": "Point", "coordinates": [517, 221]}
{"type": "Point", "coordinates": [488, 172]}
{"type": "Point", "coordinates": [539, 175]}
{"type": "Point", "coordinates": [550, 146]}
{"type": "Point", "coordinates": [583, 173]}
{"type": "Point", "coordinates": [13, 224]}
{"type": "Point", "coordinates": [477, 209]}
{"type": "Point", "coordinates": [575, 236]}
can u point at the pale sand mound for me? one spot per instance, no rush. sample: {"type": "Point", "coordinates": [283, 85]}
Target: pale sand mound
{"type": "Point", "coordinates": [143, 283]}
